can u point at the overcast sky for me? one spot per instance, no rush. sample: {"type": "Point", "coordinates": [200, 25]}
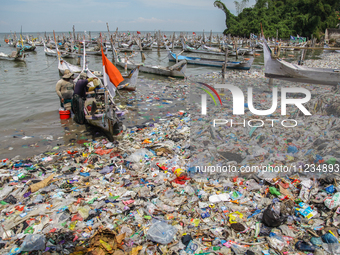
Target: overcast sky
{"type": "Point", "coordinates": [92, 15]}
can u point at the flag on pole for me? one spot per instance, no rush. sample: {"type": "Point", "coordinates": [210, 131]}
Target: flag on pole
{"type": "Point", "coordinates": [193, 33]}
{"type": "Point", "coordinates": [111, 75]}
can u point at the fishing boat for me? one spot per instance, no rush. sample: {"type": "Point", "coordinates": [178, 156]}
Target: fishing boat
{"type": "Point", "coordinates": [95, 51]}
{"type": "Point", "coordinates": [206, 50]}
{"type": "Point", "coordinates": [100, 109]}
{"type": "Point", "coordinates": [280, 69]}
{"type": "Point", "coordinates": [15, 56]}
{"type": "Point", "coordinates": [26, 48]}
{"type": "Point", "coordinates": [243, 65]}
{"type": "Point", "coordinates": [64, 65]}
{"type": "Point", "coordinates": [177, 71]}
{"type": "Point", "coordinates": [53, 53]}
{"type": "Point", "coordinates": [130, 80]}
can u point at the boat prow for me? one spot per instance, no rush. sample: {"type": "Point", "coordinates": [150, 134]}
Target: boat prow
{"type": "Point", "coordinates": [280, 69]}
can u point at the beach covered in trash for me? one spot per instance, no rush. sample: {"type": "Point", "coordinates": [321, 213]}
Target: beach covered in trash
{"type": "Point", "coordinates": [149, 192]}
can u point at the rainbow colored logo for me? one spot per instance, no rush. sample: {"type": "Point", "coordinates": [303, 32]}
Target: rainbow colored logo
{"type": "Point", "coordinates": [209, 93]}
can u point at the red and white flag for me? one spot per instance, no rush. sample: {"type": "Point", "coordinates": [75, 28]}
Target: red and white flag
{"type": "Point", "coordinates": [193, 33]}
{"type": "Point", "coordinates": [111, 75]}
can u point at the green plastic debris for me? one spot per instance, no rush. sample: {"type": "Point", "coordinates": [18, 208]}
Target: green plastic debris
{"type": "Point", "coordinates": [274, 191]}
{"type": "Point", "coordinates": [92, 201]}
{"type": "Point", "coordinates": [3, 203]}
{"type": "Point", "coordinates": [29, 230]}
{"type": "Point", "coordinates": [331, 161]}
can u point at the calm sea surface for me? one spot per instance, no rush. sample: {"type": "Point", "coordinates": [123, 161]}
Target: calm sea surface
{"type": "Point", "coordinates": [29, 119]}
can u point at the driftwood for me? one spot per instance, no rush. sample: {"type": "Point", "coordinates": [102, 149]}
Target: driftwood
{"type": "Point", "coordinates": [35, 187]}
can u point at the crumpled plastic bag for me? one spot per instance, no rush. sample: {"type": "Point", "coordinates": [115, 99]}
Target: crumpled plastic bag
{"type": "Point", "coordinates": [161, 232]}
{"type": "Point", "coordinates": [34, 242]}
{"type": "Point", "coordinates": [138, 155]}
{"type": "Point", "coordinates": [333, 202]}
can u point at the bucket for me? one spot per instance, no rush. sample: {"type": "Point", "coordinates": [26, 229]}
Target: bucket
{"type": "Point", "coordinates": [64, 114]}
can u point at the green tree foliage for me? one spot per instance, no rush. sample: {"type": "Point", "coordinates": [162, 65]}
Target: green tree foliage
{"type": "Point", "coordinates": [289, 17]}
{"type": "Point", "coordinates": [240, 5]}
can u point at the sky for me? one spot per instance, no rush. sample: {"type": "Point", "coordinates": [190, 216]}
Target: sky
{"type": "Point", "coordinates": [132, 15]}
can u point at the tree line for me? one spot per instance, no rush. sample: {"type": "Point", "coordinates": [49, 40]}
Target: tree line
{"type": "Point", "coordinates": [288, 17]}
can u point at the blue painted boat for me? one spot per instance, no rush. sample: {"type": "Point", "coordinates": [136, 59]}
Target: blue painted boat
{"type": "Point", "coordinates": [26, 47]}
{"type": "Point", "coordinates": [243, 65]}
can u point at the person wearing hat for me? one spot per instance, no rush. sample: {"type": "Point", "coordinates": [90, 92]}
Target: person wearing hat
{"type": "Point", "coordinates": [64, 89]}
{"type": "Point", "coordinates": [79, 97]}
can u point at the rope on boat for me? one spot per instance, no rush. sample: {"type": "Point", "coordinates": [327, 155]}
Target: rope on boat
{"type": "Point", "coordinates": [47, 66]}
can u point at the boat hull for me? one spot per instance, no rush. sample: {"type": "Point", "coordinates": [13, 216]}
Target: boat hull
{"type": "Point", "coordinates": [110, 128]}
{"type": "Point", "coordinates": [281, 69]}
{"type": "Point", "coordinates": [214, 63]}
{"type": "Point", "coordinates": [155, 70]}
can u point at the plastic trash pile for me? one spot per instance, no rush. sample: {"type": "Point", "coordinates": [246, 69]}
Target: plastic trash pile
{"type": "Point", "coordinates": [142, 194]}
{"type": "Point", "coordinates": [139, 196]}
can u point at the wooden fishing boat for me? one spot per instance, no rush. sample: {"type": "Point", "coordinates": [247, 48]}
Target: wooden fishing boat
{"type": "Point", "coordinates": [243, 65]}
{"type": "Point", "coordinates": [15, 56]}
{"type": "Point", "coordinates": [102, 113]}
{"type": "Point", "coordinates": [177, 71]}
{"type": "Point", "coordinates": [63, 65]}
{"type": "Point", "coordinates": [280, 69]}
{"type": "Point", "coordinates": [100, 109]}
{"type": "Point", "coordinates": [94, 51]}
{"type": "Point", "coordinates": [204, 51]}
{"type": "Point", "coordinates": [26, 48]}
{"type": "Point", "coordinates": [130, 80]}
{"type": "Point", "coordinates": [53, 53]}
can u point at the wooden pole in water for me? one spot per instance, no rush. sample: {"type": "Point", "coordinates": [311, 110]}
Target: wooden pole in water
{"type": "Point", "coordinates": [125, 66]}
{"type": "Point", "coordinates": [141, 50]}
{"type": "Point", "coordinates": [210, 38]}
{"type": "Point", "coordinates": [79, 51]}
{"type": "Point", "coordinates": [159, 42]}
{"type": "Point", "coordinates": [116, 34]}
{"type": "Point", "coordinates": [236, 49]}
{"type": "Point", "coordinates": [224, 67]}
{"type": "Point", "coordinates": [203, 40]}
{"type": "Point", "coordinates": [74, 34]}
{"type": "Point", "coordinates": [110, 36]}
{"type": "Point", "coordinates": [173, 42]}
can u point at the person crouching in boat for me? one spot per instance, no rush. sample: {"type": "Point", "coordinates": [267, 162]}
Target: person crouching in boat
{"type": "Point", "coordinates": [64, 89]}
{"type": "Point", "coordinates": [79, 97]}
